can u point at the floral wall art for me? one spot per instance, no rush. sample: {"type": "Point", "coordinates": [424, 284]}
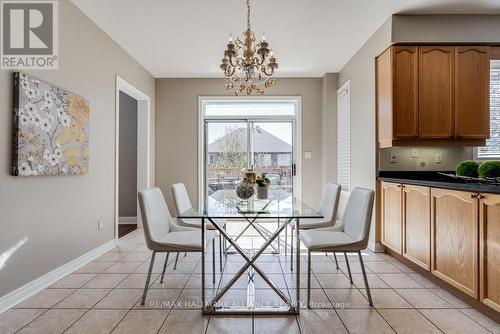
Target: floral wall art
{"type": "Point", "coordinates": [51, 129]}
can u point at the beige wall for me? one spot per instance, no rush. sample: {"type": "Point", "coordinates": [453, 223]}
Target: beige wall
{"type": "Point", "coordinates": [58, 215]}
{"type": "Point", "coordinates": [329, 127]}
{"type": "Point", "coordinates": [177, 131]}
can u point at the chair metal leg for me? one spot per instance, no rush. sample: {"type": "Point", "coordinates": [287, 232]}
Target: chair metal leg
{"type": "Point", "coordinates": [146, 286]}
{"type": "Point", "coordinates": [348, 267]}
{"type": "Point", "coordinates": [309, 265]}
{"type": "Point", "coordinates": [176, 259]}
{"type": "Point", "coordinates": [164, 267]}
{"type": "Point", "coordinates": [367, 286]}
{"type": "Point", "coordinates": [213, 261]}
{"type": "Point", "coordinates": [336, 262]}
{"type": "Point", "coordinates": [286, 243]}
{"type": "Point", "coordinates": [291, 248]}
{"type": "Point", "coordinates": [220, 252]}
{"type": "Point", "coordinates": [185, 254]}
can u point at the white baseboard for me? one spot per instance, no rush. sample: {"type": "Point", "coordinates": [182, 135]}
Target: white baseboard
{"type": "Point", "coordinates": [24, 292]}
{"type": "Point", "coordinates": [127, 220]}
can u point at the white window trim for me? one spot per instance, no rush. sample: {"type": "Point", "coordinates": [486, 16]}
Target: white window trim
{"type": "Point", "coordinates": [344, 87]}
{"type": "Point", "coordinates": [297, 135]}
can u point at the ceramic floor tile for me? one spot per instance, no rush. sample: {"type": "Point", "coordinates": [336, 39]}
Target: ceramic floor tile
{"type": "Point", "coordinates": [452, 321]}
{"type": "Point", "coordinates": [111, 256]}
{"type": "Point", "coordinates": [347, 298]}
{"type": "Point", "coordinates": [323, 267]}
{"type": "Point", "coordinates": [318, 298]}
{"type": "Point", "coordinates": [355, 267]}
{"type": "Point", "coordinates": [177, 320]}
{"type": "Point", "coordinates": [172, 281]}
{"type": "Point", "coordinates": [387, 298]}
{"type": "Point", "coordinates": [137, 256]}
{"type": "Point", "coordinates": [272, 324]}
{"type": "Point", "coordinates": [141, 321]}
{"type": "Point", "coordinates": [408, 322]}
{"type": "Point", "coordinates": [120, 299]}
{"type": "Point", "coordinates": [159, 299]}
{"type": "Point", "coordinates": [483, 320]}
{"type": "Point", "coordinates": [14, 319]}
{"type": "Point", "coordinates": [331, 281]}
{"type": "Point", "coordinates": [320, 322]}
{"type": "Point", "coordinates": [53, 321]}
{"type": "Point", "coordinates": [137, 281]}
{"type": "Point", "coordinates": [194, 282]}
{"type": "Point", "coordinates": [400, 281]}
{"type": "Point", "coordinates": [291, 281]}
{"type": "Point", "coordinates": [191, 299]}
{"type": "Point", "coordinates": [104, 281]}
{"type": "Point", "coordinates": [359, 321]}
{"type": "Point", "coordinates": [97, 322]}
{"type": "Point", "coordinates": [144, 268]}
{"type": "Point", "coordinates": [374, 281]}
{"type": "Point", "coordinates": [451, 299]}
{"type": "Point", "coordinates": [404, 268]}
{"type": "Point", "coordinates": [72, 281]}
{"type": "Point", "coordinates": [382, 267]}
{"type": "Point", "coordinates": [424, 281]}
{"type": "Point", "coordinates": [277, 279]}
{"type": "Point", "coordinates": [46, 298]}
{"type": "Point", "coordinates": [423, 298]}
{"type": "Point", "coordinates": [83, 298]}
{"type": "Point", "coordinates": [94, 267]}
{"type": "Point", "coordinates": [123, 267]}
{"type": "Point", "coordinates": [223, 324]}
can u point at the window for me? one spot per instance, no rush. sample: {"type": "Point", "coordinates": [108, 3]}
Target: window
{"type": "Point", "coordinates": [344, 136]}
{"type": "Point", "coordinates": [492, 148]}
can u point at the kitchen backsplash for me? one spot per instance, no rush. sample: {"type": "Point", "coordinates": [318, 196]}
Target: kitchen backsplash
{"type": "Point", "coordinates": [422, 158]}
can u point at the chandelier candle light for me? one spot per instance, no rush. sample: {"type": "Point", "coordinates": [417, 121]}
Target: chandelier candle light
{"type": "Point", "coordinates": [248, 68]}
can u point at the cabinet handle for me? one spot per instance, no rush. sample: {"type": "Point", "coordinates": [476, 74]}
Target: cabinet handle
{"type": "Point", "coordinates": [474, 195]}
{"type": "Point", "coordinates": [480, 196]}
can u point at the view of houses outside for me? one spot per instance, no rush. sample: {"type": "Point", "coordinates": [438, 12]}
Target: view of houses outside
{"type": "Point", "coordinates": [228, 153]}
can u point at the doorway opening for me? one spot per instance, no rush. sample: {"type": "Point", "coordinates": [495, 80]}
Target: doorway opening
{"type": "Point", "coordinates": [132, 155]}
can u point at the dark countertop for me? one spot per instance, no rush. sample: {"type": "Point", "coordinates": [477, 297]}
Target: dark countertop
{"type": "Point", "coordinates": [433, 179]}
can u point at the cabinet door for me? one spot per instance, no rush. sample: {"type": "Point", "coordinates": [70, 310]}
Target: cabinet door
{"type": "Point", "coordinates": [435, 95]}
{"type": "Point", "coordinates": [391, 215]}
{"type": "Point", "coordinates": [472, 92]}
{"type": "Point", "coordinates": [405, 90]}
{"type": "Point", "coordinates": [489, 255]}
{"type": "Point", "coordinates": [454, 238]}
{"type": "Point", "coordinates": [417, 225]}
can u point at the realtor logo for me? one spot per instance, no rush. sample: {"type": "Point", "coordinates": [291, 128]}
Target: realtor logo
{"type": "Point", "coordinates": [29, 37]}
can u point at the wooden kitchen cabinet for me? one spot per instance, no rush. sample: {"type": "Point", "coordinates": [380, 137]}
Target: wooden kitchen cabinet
{"type": "Point", "coordinates": [391, 215]}
{"type": "Point", "coordinates": [454, 239]}
{"type": "Point", "coordinates": [472, 98]}
{"type": "Point", "coordinates": [417, 225]}
{"type": "Point", "coordinates": [489, 250]}
{"type": "Point", "coordinates": [435, 92]}
{"type": "Point", "coordinates": [432, 95]}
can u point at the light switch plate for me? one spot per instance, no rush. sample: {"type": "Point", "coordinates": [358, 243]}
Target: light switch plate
{"type": "Point", "coordinates": [414, 152]}
{"type": "Point", "coordinates": [100, 225]}
{"type": "Point", "coordinates": [394, 158]}
{"type": "Point", "coordinates": [307, 155]}
{"type": "Point", "coordinates": [439, 158]}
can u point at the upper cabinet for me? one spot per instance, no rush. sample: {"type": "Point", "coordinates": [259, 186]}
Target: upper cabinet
{"type": "Point", "coordinates": [432, 95]}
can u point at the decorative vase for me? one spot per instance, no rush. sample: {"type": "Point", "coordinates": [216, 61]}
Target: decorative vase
{"type": "Point", "coordinates": [262, 192]}
{"type": "Point", "coordinates": [245, 189]}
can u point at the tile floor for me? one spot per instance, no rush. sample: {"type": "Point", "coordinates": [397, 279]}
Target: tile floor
{"type": "Point", "coordinates": [103, 297]}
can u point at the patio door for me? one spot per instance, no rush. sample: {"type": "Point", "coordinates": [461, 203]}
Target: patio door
{"type": "Point", "coordinates": [232, 146]}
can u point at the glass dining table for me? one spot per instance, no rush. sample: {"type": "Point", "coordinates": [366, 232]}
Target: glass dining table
{"type": "Point", "coordinates": [223, 207]}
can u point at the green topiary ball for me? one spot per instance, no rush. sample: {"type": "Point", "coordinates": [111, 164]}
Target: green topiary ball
{"type": "Point", "coordinates": [467, 168]}
{"type": "Point", "coordinates": [489, 169]}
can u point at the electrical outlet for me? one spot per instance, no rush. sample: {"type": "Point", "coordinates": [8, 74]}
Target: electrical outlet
{"type": "Point", "coordinates": [100, 225]}
{"type": "Point", "coordinates": [394, 158]}
{"type": "Point", "coordinates": [439, 158]}
{"type": "Point", "coordinates": [307, 155]}
{"type": "Point", "coordinates": [414, 152]}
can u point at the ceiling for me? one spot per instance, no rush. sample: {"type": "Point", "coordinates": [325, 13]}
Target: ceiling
{"type": "Point", "coordinates": [187, 38]}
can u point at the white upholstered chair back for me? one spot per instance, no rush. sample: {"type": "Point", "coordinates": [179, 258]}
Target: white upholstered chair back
{"type": "Point", "coordinates": [330, 201]}
{"type": "Point", "coordinates": [155, 215]}
{"type": "Point", "coordinates": [357, 216]}
{"type": "Point", "coordinates": [181, 198]}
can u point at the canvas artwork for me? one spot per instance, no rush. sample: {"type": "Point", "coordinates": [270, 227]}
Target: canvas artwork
{"type": "Point", "coordinates": [51, 129]}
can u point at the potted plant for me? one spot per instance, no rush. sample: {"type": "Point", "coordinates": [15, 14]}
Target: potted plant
{"type": "Point", "coordinates": [262, 186]}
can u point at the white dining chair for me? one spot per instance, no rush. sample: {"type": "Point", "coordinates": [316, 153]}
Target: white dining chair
{"type": "Point", "coordinates": [350, 236]}
{"type": "Point", "coordinates": [163, 235]}
{"type": "Point", "coordinates": [327, 208]}
{"type": "Point", "coordinates": [183, 204]}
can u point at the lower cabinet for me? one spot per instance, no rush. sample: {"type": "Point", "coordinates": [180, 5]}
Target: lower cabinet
{"type": "Point", "coordinates": [417, 225]}
{"type": "Point", "coordinates": [390, 201]}
{"type": "Point", "coordinates": [454, 239]}
{"type": "Point", "coordinates": [489, 250]}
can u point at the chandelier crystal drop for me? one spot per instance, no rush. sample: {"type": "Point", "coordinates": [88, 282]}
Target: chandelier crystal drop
{"type": "Point", "coordinates": [248, 67]}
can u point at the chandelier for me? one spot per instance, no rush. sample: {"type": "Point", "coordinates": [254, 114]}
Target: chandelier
{"type": "Point", "coordinates": [247, 67]}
